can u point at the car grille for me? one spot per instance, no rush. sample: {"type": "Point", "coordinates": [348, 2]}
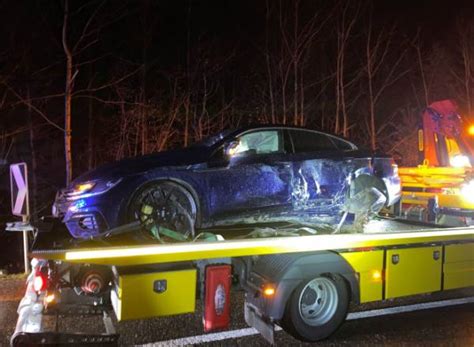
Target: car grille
{"type": "Point", "coordinates": [86, 225]}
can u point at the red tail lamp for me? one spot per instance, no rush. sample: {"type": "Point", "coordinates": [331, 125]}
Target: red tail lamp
{"type": "Point", "coordinates": [217, 297]}
{"type": "Point", "coordinates": [40, 281]}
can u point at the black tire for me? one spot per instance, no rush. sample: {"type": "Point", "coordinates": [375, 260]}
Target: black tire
{"type": "Point", "coordinates": [164, 204]}
{"type": "Point", "coordinates": [297, 319]}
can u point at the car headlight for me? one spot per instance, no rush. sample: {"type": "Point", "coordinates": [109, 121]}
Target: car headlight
{"type": "Point", "coordinates": [91, 188]}
{"type": "Point", "coordinates": [467, 191]}
{"type": "Point", "coordinates": [82, 188]}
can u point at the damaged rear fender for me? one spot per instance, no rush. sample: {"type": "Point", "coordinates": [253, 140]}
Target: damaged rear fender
{"type": "Point", "coordinates": [367, 194]}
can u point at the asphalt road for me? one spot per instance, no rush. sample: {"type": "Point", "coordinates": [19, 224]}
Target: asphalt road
{"type": "Point", "coordinates": [443, 326]}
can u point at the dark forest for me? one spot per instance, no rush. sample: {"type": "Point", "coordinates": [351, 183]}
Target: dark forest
{"type": "Point", "coordinates": [88, 82]}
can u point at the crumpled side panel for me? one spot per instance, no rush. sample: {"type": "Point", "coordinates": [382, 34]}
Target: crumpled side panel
{"type": "Point", "coordinates": [310, 192]}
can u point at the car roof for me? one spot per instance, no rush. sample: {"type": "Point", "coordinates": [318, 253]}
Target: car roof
{"type": "Point", "coordinates": [277, 126]}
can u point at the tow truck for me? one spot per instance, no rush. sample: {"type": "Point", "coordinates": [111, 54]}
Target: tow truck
{"type": "Point", "coordinates": [441, 188]}
{"type": "Point", "coordinates": [302, 283]}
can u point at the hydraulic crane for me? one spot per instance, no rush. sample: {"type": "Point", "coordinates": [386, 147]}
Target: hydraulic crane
{"type": "Point", "coordinates": [441, 188]}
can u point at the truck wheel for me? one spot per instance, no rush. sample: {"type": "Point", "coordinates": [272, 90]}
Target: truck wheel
{"type": "Point", "coordinates": [316, 308]}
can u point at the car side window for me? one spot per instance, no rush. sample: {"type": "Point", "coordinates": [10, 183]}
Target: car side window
{"type": "Point", "coordinates": [259, 142]}
{"type": "Point", "coordinates": [310, 141]}
{"type": "Point", "coordinates": [343, 145]}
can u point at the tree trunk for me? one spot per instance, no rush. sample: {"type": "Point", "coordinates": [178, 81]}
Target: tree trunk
{"type": "Point", "coordinates": [373, 141]}
{"type": "Point", "coordinates": [67, 98]}
{"type": "Point", "coordinates": [295, 65]}
{"type": "Point", "coordinates": [268, 64]}
{"type": "Point", "coordinates": [467, 73]}
{"type": "Point", "coordinates": [144, 99]}
{"type": "Point", "coordinates": [422, 72]}
{"type": "Point", "coordinates": [370, 64]}
{"type": "Point", "coordinates": [34, 182]}
{"type": "Point", "coordinates": [187, 101]}
{"type": "Point", "coordinates": [90, 139]}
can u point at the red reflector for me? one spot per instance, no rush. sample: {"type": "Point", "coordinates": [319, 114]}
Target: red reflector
{"type": "Point", "coordinates": [217, 297]}
{"type": "Point", "coordinates": [39, 282]}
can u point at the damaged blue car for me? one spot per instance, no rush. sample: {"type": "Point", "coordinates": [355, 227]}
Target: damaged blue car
{"type": "Point", "coordinates": [252, 175]}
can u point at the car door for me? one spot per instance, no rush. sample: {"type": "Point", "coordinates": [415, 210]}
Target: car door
{"type": "Point", "coordinates": [320, 172]}
{"type": "Point", "coordinates": [254, 179]}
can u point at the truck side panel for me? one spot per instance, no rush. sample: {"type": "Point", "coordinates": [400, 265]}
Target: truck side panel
{"type": "Point", "coordinates": [154, 294]}
{"type": "Point", "coordinates": [411, 271]}
{"type": "Point", "coordinates": [369, 267]}
{"type": "Point", "coordinates": [458, 266]}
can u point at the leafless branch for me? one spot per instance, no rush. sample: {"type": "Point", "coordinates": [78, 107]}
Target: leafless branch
{"type": "Point", "coordinates": [33, 107]}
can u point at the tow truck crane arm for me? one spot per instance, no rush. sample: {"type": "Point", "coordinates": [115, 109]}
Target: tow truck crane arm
{"type": "Point", "coordinates": [442, 140]}
{"type": "Point", "coordinates": [441, 188]}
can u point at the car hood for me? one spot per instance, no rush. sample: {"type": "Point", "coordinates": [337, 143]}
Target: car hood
{"type": "Point", "coordinates": [136, 165]}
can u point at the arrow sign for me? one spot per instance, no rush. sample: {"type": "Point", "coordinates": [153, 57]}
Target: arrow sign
{"type": "Point", "coordinates": [19, 190]}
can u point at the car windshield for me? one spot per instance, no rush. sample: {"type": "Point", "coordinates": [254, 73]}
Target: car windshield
{"type": "Point", "coordinates": [212, 140]}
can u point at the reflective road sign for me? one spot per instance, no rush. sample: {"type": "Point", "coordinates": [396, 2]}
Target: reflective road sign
{"type": "Point", "coordinates": [19, 189]}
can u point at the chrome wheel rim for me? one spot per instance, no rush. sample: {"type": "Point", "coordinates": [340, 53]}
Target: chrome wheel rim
{"type": "Point", "coordinates": [318, 301]}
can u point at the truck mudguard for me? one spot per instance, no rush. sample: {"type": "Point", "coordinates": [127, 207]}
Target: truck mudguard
{"type": "Point", "coordinates": [286, 271]}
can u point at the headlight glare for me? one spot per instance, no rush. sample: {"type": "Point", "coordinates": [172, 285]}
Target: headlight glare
{"type": "Point", "coordinates": [467, 191]}
{"type": "Point", "coordinates": [460, 161]}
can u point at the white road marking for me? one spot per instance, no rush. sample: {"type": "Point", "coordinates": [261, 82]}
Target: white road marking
{"type": "Point", "coordinates": [234, 334]}
{"type": "Point", "coordinates": [192, 340]}
{"type": "Point", "coordinates": [408, 308]}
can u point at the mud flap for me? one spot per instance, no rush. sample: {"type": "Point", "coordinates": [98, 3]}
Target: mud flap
{"type": "Point", "coordinates": [254, 320]}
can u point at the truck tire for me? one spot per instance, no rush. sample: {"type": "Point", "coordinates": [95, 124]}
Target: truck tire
{"type": "Point", "coordinates": [316, 308]}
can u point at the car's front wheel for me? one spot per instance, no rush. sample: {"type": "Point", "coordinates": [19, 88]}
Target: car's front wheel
{"type": "Point", "coordinates": [166, 210]}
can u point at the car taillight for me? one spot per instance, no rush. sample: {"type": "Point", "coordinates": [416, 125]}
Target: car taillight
{"type": "Point", "coordinates": [40, 281]}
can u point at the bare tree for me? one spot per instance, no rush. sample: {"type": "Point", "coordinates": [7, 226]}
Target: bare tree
{"type": "Point", "coordinates": [67, 95]}
{"type": "Point", "coordinates": [344, 25]}
{"type": "Point", "coordinates": [418, 49]}
{"type": "Point", "coordinates": [286, 58]}
{"type": "Point", "coordinates": [465, 32]}
{"type": "Point", "coordinates": [382, 65]}
{"type": "Point", "coordinates": [268, 64]}
{"type": "Point", "coordinates": [73, 50]}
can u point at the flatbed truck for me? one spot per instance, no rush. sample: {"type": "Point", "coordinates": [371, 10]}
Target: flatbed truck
{"type": "Point", "coordinates": [302, 283]}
